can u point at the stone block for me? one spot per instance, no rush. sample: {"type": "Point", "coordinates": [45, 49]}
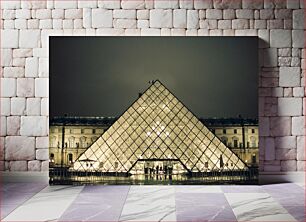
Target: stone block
{"type": "Point", "coordinates": [227, 4]}
{"type": "Point", "coordinates": [43, 13]}
{"type": "Point", "coordinates": [10, 4]}
{"type": "Point", "coordinates": [240, 24]}
{"type": "Point", "coordinates": [20, 23]}
{"type": "Point", "coordinates": [266, 14]}
{"type": "Point", "coordinates": [29, 38]}
{"type": "Point", "coordinates": [293, 4]}
{"type": "Point", "coordinates": [9, 38]}
{"type": "Point", "coordinates": [285, 154]}
{"type": "Point", "coordinates": [288, 165]}
{"type": "Point", "coordinates": [160, 18]}
{"type": "Point", "coordinates": [66, 4]}
{"type": "Point", "coordinates": [42, 154]}
{"type": "Point", "coordinates": [87, 4]}
{"type": "Point", "coordinates": [13, 125]}
{"type": "Point", "coordinates": [102, 18]}
{"type": "Point", "coordinates": [252, 4]}
{"type": "Point", "coordinates": [7, 57]}
{"type": "Point", "coordinates": [166, 4]}
{"type": "Point", "coordinates": [87, 18]}
{"type": "Point", "coordinates": [150, 32]}
{"type": "Point", "coordinates": [8, 87]}
{"type": "Point", "coordinates": [18, 106]}
{"type": "Point", "coordinates": [18, 166]}
{"type": "Point", "coordinates": [13, 72]}
{"type": "Point", "coordinates": [298, 38]}
{"type": "Point", "coordinates": [124, 14]}
{"type": "Point", "coordinates": [33, 106]}
{"type": "Point", "coordinates": [143, 14]}
{"type": "Point", "coordinates": [5, 106]}
{"type": "Point", "coordinates": [298, 126]}
{"type": "Point", "coordinates": [41, 87]}
{"type": "Point", "coordinates": [31, 67]}
{"type": "Point", "coordinates": [269, 148]}
{"type": "Point", "coordinates": [34, 165]}
{"type": "Point", "coordinates": [8, 14]}
{"type": "Point", "coordinates": [295, 62]}
{"type": "Point", "coordinates": [301, 166]}
{"type": "Point", "coordinates": [280, 38]}
{"type": "Point", "coordinates": [133, 4]}
{"type": "Point", "coordinates": [290, 106]}
{"type": "Point", "coordinates": [22, 53]}
{"type": "Point", "coordinates": [298, 92]}
{"type": "Point", "coordinates": [19, 148]}
{"type": "Point", "coordinates": [178, 32]}
{"type": "Point", "coordinates": [141, 24]}
{"type": "Point", "coordinates": [125, 23]}
{"type": "Point", "coordinates": [179, 18]}
{"type": "Point", "coordinates": [73, 13]}
{"type": "Point", "coordinates": [214, 14]}
{"type": "Point", "coordinates": [298, 19]}
{"type": "Point", "coordinates": [34, 126]}
{"type": "Point", "coordinates": [289, 76]}
{"type": "Point", "coordinates": [264, 126]}
{"type": "Point", "coordinates": [245, 14]}
{"type": "Point", "coordinates": [271, 168]}
{"type": "Point", "coordinates": [228, 14]}
{"type": "Point", "coordinates": [280, 126]}
{"type": "Point", "coordinates": [25, 87]}
{"type": "Point", "coordinates": [45, 107]}
{"type": "Point", "coordinates": [42, 142]}
{"type": "Point", "coordinates": [23, 14]}
{"type": "Point", "coordinates": [187, 4]}
{"type": "Point", "coordinates": [192, 19]}
{"type": "Point", "coordinates": [45, 165]}
{"type": "Point", "coordinates": [285, 142]}
{"type": "Point", "coordinates": [288, 92]}
{"type": "Point", "coordinates": [300, 145]}
{"type": "Point", "coordinates": [283, 14]}
{"type": "Point", "coordinates": [43, 68]}
{"type": "Point", "coordinates": [224, 24]}
{"type": "Point", "coordinates": [33, 4]}
{"type": "Point", "coordinates": [58, 13]}
{"type": "Point", "coordinates": [270, 57]}
{"type": "Point", "coordinates": [109, 4]}
{"type": "Point", "coordinates": [3, 132]}
{"type": "Point", "coordinates": [264, 39]}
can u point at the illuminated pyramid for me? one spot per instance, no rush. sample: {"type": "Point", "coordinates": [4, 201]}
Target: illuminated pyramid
{"type": "Point", "coordinates": [157, 126]}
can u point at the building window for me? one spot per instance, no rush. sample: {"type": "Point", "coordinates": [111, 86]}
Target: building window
{"type": "Point", "coordinates": [70, 158]}
{"type": "Point", "coordinates": [82, 131]}
{"type": "Point", "coordinates": [254, 158]}
{"type": "Point", "coordinates": [253, 130]}
{"type": "Point", "coordinates": [235, 140]}
{"type": "Point", "coordinates": [53, 141]}
{"type": "Point", "coordinates": [253, 141]}
{"type": "Point", "coordinates": [83, 141]}
{"type": "Point", "coordinates": [71, 141]}
{"type": "Point", "coordinates": [93, 131]}
{"type": "Point", "coordinates": [235, 131]}
{"type": "Point", "coordinates": [224, 131]}
{"type": "Point", "coordinates": [52, 157]}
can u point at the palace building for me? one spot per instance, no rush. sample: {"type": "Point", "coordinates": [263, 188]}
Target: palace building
{"type": "Point", "coordinates": [156, 132]}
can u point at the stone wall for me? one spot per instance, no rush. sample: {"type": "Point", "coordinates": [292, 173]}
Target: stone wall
{"type": "Point", "coordinates": [26, 26]}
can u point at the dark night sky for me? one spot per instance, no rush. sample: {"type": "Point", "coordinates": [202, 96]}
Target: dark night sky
{"type": "Point", "coordinates": [102, 76]}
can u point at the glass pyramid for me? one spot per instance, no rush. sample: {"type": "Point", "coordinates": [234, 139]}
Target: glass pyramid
{"type": "Point", "coordinates": [157, 126]}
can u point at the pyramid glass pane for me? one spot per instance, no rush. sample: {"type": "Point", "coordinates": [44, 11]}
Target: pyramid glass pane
{"type": "Point", "coordinates": [158, 127]}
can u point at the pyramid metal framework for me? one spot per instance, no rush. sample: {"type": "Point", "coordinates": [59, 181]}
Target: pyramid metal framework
{"type": "Point", "coordinates": [157, 126]}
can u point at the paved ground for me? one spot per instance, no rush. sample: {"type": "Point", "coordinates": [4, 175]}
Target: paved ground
{"type": "Point", "coordinates": [40, 202]}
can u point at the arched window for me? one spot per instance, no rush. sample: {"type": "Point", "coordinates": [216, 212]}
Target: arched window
{"type": "Point", "coordinates": [70, 158]}
{"type": "Point", "coordinates": [253, 141]}
{"type": "Point", "coordinates": [235, 141]}
{"type": "Point", "coordinates": [52, 157]}
{"type": "Point", "coordinates": [71, 141]}
{"type": "Point", "coordinates": [93, 139]}
{"type": "Point", "coordinates": [83, 141]}
{"type": "Point", "coordinates": [224, 140]}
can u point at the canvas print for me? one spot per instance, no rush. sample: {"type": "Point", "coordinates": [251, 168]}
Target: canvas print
{"type": "Point", "coordinates": [153, 110]}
